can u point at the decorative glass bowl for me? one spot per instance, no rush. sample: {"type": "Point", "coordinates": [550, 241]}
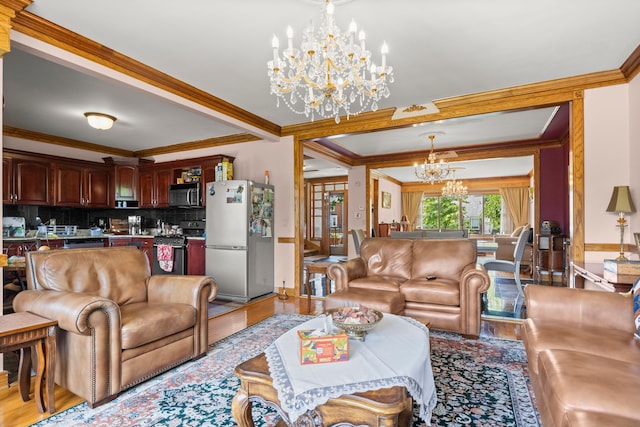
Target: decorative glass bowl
{"type": "Point", "coordinates": [354, 330]}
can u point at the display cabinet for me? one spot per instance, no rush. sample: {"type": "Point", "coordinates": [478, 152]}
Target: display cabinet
{"type": "Point", "coordinates": [550, 257]}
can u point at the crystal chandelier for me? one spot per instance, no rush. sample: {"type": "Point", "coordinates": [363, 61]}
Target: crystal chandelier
{"type": "Point", "coordinates": [432, 171]}
{"type": "Point", "coordinates": [454, 188]}
{"type": "Point", "coordinates": [330, 72]}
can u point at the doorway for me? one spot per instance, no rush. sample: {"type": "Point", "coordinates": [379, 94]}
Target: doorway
{"type": "Point", "coordinates": [336, 222]}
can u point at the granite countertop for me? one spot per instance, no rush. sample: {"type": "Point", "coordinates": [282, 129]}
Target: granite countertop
{"type": "Point", "coordinates": [84, 234]}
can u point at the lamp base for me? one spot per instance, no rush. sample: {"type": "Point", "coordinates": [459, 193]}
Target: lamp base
{"type": "Point", "coordinates": [622, 258]}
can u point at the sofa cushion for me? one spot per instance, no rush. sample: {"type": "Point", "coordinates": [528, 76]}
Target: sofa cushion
{"type": "Point", "coordinates": [386, 302]}
{"type": "Point", "coordinates": [378, 283]}
{"type": "Point", "coordinates": [573, 381]}
{"type": "Point", "coordinates": [387, 257]}
{"type": "Point", "coordinates": [143, 322]}
{"type": "Point", "coordinates": [444, 259]}
{"type": "Point", "coordinates": [437, 291]}
{"type": "Point", "coordinates": [541, 334]}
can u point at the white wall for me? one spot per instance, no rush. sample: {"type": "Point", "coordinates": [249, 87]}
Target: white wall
{"type": "Point", "coordinates": [608, 163]}
{"type": "Point", "coordinates": [357, 214]}
{"type": "Point", "coordinates": [395, 213]}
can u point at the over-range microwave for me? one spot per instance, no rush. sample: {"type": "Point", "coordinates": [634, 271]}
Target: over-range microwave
{"type": "Point", "coordinates": [185, 195]}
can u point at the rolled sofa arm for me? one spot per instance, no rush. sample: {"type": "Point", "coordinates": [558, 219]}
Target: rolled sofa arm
{"type": "Point", "coordinates": [169, 288]}
{"type": "Point", "coordinates": [196, 291]}
{"type": "Point", "coordinates": [71, 310]}
{"type": "Point", "coordinates": [581, 307]}
{"type": "Point", "coordinates": [343, 272]}
{"type": "Point", "coordinates": [473, 282]}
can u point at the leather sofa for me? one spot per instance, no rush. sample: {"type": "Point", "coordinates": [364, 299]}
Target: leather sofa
{"type": "Point", "coordinates": [437, 282]}
{"type": "Point", "coordinates": [584, 362]}
{"type": "Point", "coordinates": [118, 325]}
{"type": "Point", "coordinates": [430, 234]}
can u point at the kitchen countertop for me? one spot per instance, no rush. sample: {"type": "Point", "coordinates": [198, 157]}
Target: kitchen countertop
{"type": "Point", "coordinates": [84, 234]}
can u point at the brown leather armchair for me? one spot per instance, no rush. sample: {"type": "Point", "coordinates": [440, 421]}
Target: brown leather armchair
{"type": "Point", "coordinates": [118, 324]}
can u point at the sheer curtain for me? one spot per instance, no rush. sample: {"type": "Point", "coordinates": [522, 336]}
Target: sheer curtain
{"type": "Point", "coordinates": [411, 207]}
{"type": "Point", "coordinates": [517, 203]}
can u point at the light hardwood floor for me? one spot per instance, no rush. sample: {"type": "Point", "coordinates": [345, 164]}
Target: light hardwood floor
{"type": "Point", "coordinates": [16, 413]}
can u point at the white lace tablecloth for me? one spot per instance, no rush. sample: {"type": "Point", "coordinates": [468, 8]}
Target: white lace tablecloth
{"type": "Point", "coordinates": [395, 353]}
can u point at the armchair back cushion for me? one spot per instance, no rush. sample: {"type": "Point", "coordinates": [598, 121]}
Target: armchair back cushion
{"type": "Point", "coordinates": [387, 257]}
{"type": "Point", "coordinates": [121, 279]}
{"type": "Point", "coordinates": [445, 259]}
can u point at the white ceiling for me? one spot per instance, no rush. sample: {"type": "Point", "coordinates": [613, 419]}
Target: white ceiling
{"type": "Point", "coordinates": [438, 49]}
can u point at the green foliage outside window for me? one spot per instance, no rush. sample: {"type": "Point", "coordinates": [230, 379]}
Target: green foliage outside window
{"type": "Point", "coordinates": [444, 213]}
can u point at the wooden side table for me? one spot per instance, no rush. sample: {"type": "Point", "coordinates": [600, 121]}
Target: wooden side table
{"type": "Point", "coordinates": [23, 331]}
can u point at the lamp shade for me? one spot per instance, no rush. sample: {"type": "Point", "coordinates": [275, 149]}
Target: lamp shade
{"type": "Point", "coordinates": [621, 200]}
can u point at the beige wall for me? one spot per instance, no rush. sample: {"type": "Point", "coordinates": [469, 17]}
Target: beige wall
{"type": "Point", "coordinates": [608, 162]}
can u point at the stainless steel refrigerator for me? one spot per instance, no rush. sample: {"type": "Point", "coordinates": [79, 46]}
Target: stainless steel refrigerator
{"type": "Point", "coordinates": [239, 238]}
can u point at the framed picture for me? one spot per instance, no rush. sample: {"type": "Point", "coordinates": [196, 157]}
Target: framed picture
{"type": "Point", "coordinates": [637, 237]}
{"type": "Point", "coordinates": [386, 200]}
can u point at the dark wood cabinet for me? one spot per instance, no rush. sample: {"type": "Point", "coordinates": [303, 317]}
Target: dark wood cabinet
{"type": "Point", "coordinates": [146, 246]}
{"type": "Point", "coordinates": [81, 186]}
{"type": "Point", "coordinates": [119, 241]}
{"type": "Point", "coordinates": [126, 182]}
{"type": "Point", "coordinates": [550, 257]}
{"type": "Point", "coordinates": [196, 257]}
{"type": "Point", "coordinates": [26, 181]}
{"type": "Point", "coordinates": [154, 187]}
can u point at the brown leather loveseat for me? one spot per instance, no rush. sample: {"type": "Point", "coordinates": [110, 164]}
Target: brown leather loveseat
{"type": "Point", "coordinates": [437, 282]}
{"type": "Point", "coordinates": [584, 362]}
{"type": "Point", "coordinates": [117, 324]}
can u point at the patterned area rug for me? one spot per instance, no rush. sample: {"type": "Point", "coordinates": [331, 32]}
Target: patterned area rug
{"type": "Point", "coordinates": [479, 383]}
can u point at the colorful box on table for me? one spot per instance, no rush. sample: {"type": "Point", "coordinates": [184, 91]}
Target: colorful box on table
{"type": "Point", "coordinates": [323, 348]}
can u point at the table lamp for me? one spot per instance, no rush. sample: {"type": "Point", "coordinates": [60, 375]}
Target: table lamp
{"type": "Point", "coordinates": [621, 203]}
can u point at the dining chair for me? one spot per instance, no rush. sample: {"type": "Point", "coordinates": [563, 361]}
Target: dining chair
{"type": "Point", "coordinates": [358, 237]}
{"type": "Point", "coordinates": [512, 266]}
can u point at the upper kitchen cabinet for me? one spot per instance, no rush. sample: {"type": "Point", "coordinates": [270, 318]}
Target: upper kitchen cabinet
{"type": "Point", "coordinates": [78, 185]}
{"type": "Point", "coordinates": [25, 181]}
{"type": "Point", "coordinates": [126, 182]}
{"type": "Point", "coordinates": [154, 187]}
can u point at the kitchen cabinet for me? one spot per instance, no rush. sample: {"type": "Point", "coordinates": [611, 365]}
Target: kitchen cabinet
{"type": "Point", "coordinates": [195, 257]}
{"type": "Point", "coordinates": [77, 185]}
{"type": "Point", "coordinates": [154, 187]}
{"type": "Point", "coordinates": [126, 182]}
{"type": "Point", "coordinates": [25, 181]}
{"type": "Point", "coordinates": [146, 246]}
{"type": "Point", "coordinates": [120, 241]}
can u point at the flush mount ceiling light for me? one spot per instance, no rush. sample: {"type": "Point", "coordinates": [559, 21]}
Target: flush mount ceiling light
{"type": "Point", "coordinates": [331, 72]}
{"type": "Point", "coordinates": [100, 121]}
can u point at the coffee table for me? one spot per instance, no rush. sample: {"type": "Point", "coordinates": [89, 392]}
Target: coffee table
{"type": "Point", "coordinates": [375, 387]}
{"type": "Point", "coordinates": [384, 407]}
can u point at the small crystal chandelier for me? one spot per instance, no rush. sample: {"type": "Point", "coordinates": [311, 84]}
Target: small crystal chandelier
{"type": "Point", "coordinates": [454, 188]}
{"type": "Point", "coordinates": [329, 73]}
{"type": "Point", "coordinates": [432, 171]}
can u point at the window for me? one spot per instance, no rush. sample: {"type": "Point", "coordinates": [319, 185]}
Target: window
{"type": "Point", "coordinates": [478, 213]}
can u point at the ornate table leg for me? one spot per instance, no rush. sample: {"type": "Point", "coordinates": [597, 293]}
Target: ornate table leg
{"type": "Point", "coordinates": [39, 376]}
{"type": "Point", "coordinates": [24, 373]}
{"type": "Point", "coordinates": [49, 372]}
{"type": "Point", "coordinates": [241, 409]}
